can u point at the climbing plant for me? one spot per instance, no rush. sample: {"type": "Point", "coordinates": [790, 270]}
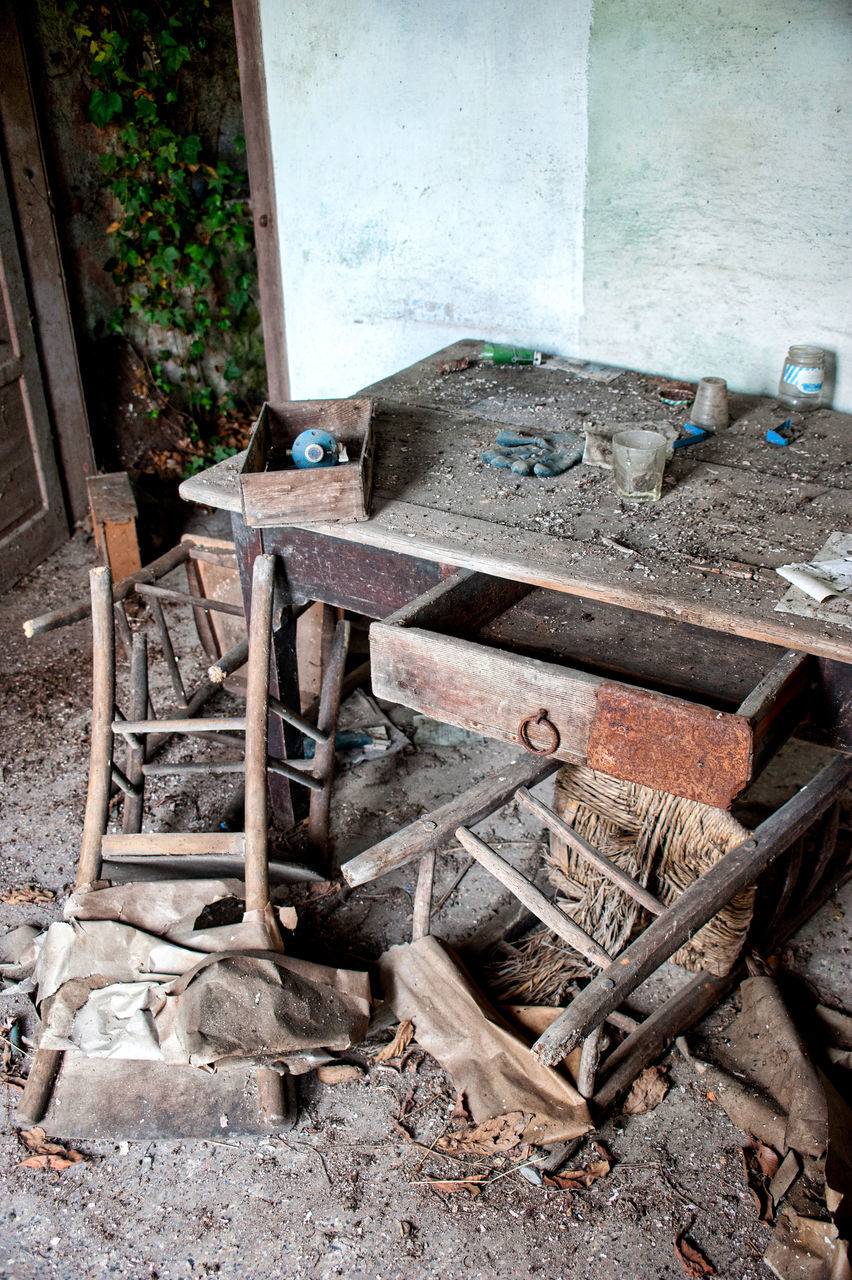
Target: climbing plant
{"type": "Point", "coordinates": [182, 246]}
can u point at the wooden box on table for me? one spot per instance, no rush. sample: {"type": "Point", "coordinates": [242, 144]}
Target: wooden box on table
{"type": "Point", "coordinates": [276, 493]}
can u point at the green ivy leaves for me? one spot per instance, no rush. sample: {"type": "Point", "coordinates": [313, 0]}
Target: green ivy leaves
{"type": "Point", "coordinates": [182, 236]}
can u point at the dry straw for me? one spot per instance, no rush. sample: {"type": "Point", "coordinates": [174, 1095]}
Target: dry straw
{"type": "Point", "coordinates": [662, 841]}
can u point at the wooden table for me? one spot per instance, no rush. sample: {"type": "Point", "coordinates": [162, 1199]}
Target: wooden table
{"type": "Point", "coordinates": [695, 568]}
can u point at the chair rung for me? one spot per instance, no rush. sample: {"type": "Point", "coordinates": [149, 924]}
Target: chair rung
{"type": "Point", "coordinates": [589, 853]}
{"type": "Point", "coordinates": [533, 899]}
{"type": "Point", "coordinates": [210, 724]}
{"type": "Point", "coordinates": [154, 843]}
{"type": "Point", "coordinates": [299, 776]}
{"type": "Point", "coordinates": [197, 602]}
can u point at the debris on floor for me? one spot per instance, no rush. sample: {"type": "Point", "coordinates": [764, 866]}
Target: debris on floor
{"type": "Point", "coordinates": [488, 1062]}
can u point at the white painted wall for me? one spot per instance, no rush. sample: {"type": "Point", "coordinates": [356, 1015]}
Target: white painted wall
{"type": "Point", "coordinates": [430, 165]}
{"type": "Point", "coordinates": [669, 192]}
{"type": "Point", "coordinates": [718, 223]}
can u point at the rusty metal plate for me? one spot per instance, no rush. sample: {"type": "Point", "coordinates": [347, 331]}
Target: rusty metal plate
{"type": "Point", "coordinates": [670, 744]}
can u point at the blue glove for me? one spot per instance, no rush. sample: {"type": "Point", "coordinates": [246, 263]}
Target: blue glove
{"type": "Point", "coordinates": [541, 456]}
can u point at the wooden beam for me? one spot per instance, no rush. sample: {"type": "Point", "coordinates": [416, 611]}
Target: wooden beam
{"type": "Point", "coordinates": [261, 172]}
{"type": "Point", "coordinates": [435, 829]}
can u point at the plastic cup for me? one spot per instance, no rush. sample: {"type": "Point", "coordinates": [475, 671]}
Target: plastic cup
{"type": "Point", "coordinates": [638, 463]}
{"type": "Point", "coordinates": [710, 406]}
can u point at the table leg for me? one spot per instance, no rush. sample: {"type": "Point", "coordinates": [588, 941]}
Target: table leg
{"type": "Point", "coordinates": [289, 804]}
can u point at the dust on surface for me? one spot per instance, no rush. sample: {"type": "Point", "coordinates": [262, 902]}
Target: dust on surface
{"type": "Point", "coordinates": [343, 1193]}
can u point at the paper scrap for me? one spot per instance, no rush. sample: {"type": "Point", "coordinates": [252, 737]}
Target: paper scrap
{"type": "Point", "coordinates": [820, 579]}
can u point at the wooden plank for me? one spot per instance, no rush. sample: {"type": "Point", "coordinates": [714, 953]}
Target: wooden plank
{"type": "Point", "coordinates": [435, 829]}
{"type": "Point", "coordinates": [34, 205]}
{"type": "Point", "coordinates": [475, 688]}
{"type": "Point", "coordinates": [532, 898]}
{"type": "Point", "coordinates": [174, 842]}
{"type": "Point", "coordinates": [698, 903]}
{"type": "Point", "coordinates": [262, 184]}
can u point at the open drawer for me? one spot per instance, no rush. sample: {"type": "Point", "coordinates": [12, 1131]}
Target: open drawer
{"type": "Point", "coordinates": [653, 701]}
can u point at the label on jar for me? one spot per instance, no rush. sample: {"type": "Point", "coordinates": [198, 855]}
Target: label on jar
{"type": "Point", "coordinates": [808, 378]}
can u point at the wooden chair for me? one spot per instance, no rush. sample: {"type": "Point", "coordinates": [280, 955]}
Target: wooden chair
{"type": "Point", "coordinates": [249, 844]}
{"type": "Point", "coordinates": [773, 847]}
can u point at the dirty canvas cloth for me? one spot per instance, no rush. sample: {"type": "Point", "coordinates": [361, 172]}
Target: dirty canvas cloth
{"type": "Point", "coordinates": [765, 1043]}
{"type": "Point", "coordinates": [114, 987]}
{"type": "Point", "coordinates": [489, 1063]}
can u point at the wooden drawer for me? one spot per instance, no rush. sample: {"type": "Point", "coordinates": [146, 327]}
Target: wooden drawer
{"type": "Point", "coordinates": [654, 701]}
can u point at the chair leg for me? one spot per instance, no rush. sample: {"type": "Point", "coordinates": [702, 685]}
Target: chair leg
{"type": "Point", "coordinates": [257, 714]}
{"type": "Point", "coordinates": [46, 1064]}
{"type": "Point", "coordinates": [421, 923]}
{"type": "Point", "coordinates": [320, 803]}
{"type": "Point", "coordinates": [131, 818]}
{"type": "Point", "coordinates": [589, 1058]}
{"type": "Point", "coordinates": [101, 749]}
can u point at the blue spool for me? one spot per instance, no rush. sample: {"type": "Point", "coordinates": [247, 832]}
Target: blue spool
{"type": "Point", "coordinates": [314, 448]}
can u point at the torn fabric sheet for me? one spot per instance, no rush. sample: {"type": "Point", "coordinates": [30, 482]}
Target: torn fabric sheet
{"type": "Point", "coordinates": [112, 989]}
{"type": "Point", "coordinates": [489, 1063]}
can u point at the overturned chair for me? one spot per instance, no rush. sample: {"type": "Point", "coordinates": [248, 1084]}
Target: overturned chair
{"type": "Point", "coordinates": [791, 860]}
{"type": "Point", "coordinates": [254, 942]}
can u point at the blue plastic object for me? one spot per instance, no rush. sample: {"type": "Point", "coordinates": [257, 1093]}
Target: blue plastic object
{"type": "Point", "coordinates": [694, 435]}
{"type": "Point", "coordinates": [782, 434]}
{"type": "Point", "coordinates": [314, 448]}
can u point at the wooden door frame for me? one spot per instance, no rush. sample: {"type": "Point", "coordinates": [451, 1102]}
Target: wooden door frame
{"type": "Point", "coordinates": [32, 204]}
{"type": "Point", "coordinates": [262, 184]}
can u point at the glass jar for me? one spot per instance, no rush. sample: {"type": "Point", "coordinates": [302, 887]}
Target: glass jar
{"type": "Point", "coordinates": [801, 379]}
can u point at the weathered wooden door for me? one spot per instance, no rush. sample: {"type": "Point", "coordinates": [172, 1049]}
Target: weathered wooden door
{"type": "Point", "coordinates": [32, 512]}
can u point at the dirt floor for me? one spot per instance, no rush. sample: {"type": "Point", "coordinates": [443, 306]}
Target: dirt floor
{"type": "Point", "coordinates": [345, 1192]}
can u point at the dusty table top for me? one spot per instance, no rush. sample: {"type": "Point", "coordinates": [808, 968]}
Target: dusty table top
{"type": "Point", "coordinates": [733, 508]}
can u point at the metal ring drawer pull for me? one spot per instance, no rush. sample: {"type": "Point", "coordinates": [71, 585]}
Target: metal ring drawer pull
{"type": "Point", "coordinates": [546, 723]}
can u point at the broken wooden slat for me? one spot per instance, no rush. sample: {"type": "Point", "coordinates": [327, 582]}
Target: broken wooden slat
{"type": "Point", "coordinates": [150, 590]}
{"type": "Point", "coordinates": [589, 853]}
{"type": "Point", "coordinates": [421, 916]}
{"type": "Point", "coordinates": [121, 590]}
{"type": "Point", "coordinates": [589, 1059]}
{"type": "Point", "coordinates": [435, 829]}
{"type": "Point", "coordinates": [175, 842]}
{"type": "Point", "coordinates": [698, 903]}
{"type": "Point", "coordinates": [532, 898]}
{"type": "Point", "coordinates": [229, 662]}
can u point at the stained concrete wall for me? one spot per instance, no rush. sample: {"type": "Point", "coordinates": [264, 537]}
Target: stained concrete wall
{"type": "Point", "coordinates": [664, 187]}
{"type": "Point", "coordinates": [430, 162]}
{"type": "Point", "coordinates": [718, 211]}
